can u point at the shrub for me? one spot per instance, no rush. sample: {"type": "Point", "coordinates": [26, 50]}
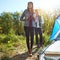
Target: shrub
{"type": "Point", "coordinates": [9, 38]}
{"type": "Point", "coordinates": [46, 40]}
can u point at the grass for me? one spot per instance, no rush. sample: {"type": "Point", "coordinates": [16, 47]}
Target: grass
{"type": "Point", "coordinates": [12, 44]}
{"type": "Point", "coordinates": [10, 47]}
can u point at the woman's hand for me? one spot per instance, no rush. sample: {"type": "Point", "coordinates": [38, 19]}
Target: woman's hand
{"type": "Point", "coordinates": [34, 15]}
{"type": "Point", "coordinates": [26, 17]}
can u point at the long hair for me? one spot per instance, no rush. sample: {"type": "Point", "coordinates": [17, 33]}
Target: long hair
{"type": "Point", "coordinates": [36, 11]}
{"type": "Point", "coordinates": [32, 10]}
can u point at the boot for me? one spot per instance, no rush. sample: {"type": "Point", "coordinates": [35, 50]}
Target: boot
{"type": "Point", "coordinates": [30, 52]}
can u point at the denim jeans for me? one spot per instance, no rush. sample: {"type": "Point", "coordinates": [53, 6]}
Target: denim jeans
{"type": "Point", "coordinates": [38, 31]}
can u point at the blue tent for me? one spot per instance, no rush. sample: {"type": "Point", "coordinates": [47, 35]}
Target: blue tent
{"type": "Point", "coordinates": [56, 30]}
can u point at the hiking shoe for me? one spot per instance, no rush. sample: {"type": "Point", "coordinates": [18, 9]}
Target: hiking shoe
{"type": "Point", "coordinates": [30, 53]}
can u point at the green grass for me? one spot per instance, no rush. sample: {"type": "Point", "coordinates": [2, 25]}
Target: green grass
{"type": "Point", "coordinates": [11, 43]}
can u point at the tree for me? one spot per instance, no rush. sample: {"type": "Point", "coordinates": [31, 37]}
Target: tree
{"type": "Point", "coordinates": [6, 21]}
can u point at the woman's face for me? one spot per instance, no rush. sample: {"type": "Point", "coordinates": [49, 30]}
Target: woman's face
{"type": "Point", "coordinates": [30, 5]}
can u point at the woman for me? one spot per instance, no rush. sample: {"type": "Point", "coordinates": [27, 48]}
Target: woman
{"type": "Point", "coordinates": [38, 29]}
{"type": "Point", "coordinates": [28, 17]}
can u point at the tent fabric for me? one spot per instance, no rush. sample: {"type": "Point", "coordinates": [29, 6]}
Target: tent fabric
{"type": "Point", "coordinates": [53, 51]}
{"type": "Point", "coordinates": [55, 47]}
{"type": "Point", "coordinates": [56, 30]}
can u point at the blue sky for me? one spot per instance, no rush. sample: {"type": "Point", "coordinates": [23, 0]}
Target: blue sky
{"type": "Point", "coordinates": [19, 5]}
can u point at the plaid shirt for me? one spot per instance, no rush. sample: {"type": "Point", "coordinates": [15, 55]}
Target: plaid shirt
{"type": "Point", "coordinates": [26, 21]}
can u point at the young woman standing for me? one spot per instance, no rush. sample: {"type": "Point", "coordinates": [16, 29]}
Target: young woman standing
{"type": "Point", "coordinates": [38, 29]}
{"type": "Point", "coordinates": [29, 25]}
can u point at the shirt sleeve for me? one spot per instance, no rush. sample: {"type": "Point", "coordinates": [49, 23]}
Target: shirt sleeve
{"type": "Point", "coordinates": [42, 20]}
{"type": "Point", "coordinates": [22, 18]}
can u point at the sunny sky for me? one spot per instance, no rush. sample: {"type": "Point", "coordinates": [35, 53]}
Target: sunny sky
{"type": "Point", "coordinates": [19, 5]}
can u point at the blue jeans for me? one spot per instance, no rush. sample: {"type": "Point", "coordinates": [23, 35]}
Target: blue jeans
{"type": "Point", "coordinates": [29, 32]}
{"type": "Point", "coordinates": [38, 31]}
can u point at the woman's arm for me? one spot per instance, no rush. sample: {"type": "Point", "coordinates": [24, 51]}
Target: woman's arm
{"type": "Point", "coordinates": [22, 18]}
{"type": "Point", "coordinates": [42, 20]}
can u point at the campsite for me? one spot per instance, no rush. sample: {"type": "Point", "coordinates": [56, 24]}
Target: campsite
{"type": "Point", "coordinates": [12, 35]}
{"type": "Point", "coordinates": [19, 46]}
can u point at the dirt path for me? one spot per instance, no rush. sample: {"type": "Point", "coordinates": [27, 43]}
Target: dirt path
{"type": "Point", "coordinates": [19, 54]}
{"type": "Point", "coordinates": [24, 55]}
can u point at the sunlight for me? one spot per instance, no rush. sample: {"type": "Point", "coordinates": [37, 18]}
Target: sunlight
{"type": "Point", "coordinates": [47, 4]}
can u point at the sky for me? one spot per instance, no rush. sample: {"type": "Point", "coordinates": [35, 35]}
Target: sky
{"type": "Point", "coordinates": [21, 5]}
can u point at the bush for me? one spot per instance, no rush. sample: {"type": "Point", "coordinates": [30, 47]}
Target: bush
{"type": "Point", "coordinates": [46, 40]}
{"type": "Point", "coordinates": [21, 37]}
{"type": "Point", "coordinates": [9, 38]}
{"type": "Point", "coordinates": [2, 36]}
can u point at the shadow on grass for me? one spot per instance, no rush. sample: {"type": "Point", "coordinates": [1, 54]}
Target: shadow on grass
{"type": "Point", "coordinates": [22, 56]}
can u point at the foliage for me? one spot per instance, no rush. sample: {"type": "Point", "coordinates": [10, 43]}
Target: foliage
{"type": "Point", "coordinates": [12, 31]}
{"type": "Point", "coordinates": [10, 21]}
{"type": "Point", "coordinates": [46, 40]}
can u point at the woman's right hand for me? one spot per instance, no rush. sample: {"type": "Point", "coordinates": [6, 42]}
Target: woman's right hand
{"type": "Point", "coordinates": [26, 17]}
